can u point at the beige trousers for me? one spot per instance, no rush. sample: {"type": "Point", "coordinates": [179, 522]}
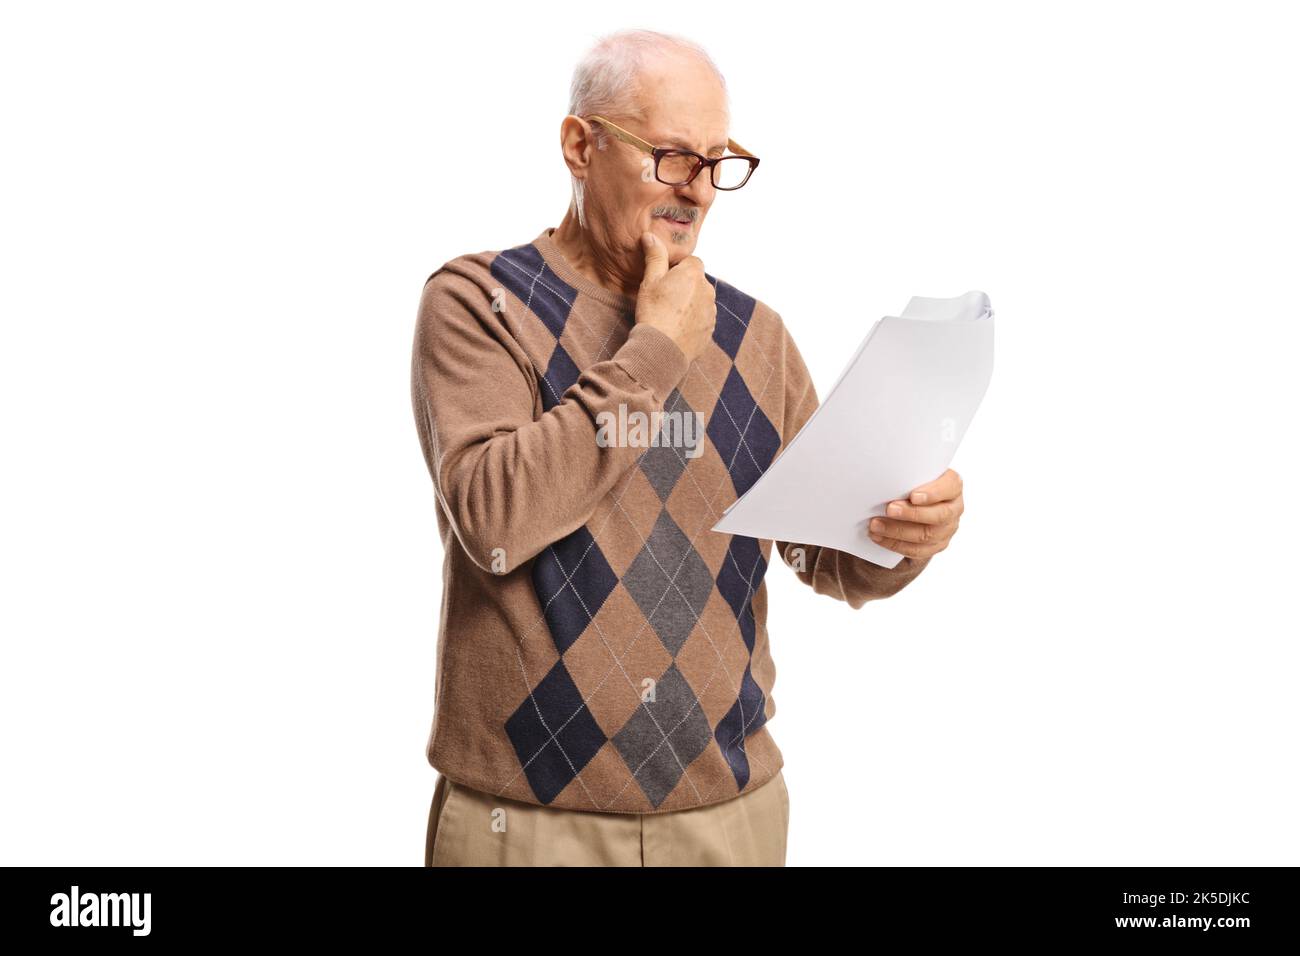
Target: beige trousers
{"type": "Point", "coordinates": [471, 828]}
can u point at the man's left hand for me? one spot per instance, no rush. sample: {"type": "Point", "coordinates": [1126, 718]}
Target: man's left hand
{"type": "Point", "coordinates": [924, 523]}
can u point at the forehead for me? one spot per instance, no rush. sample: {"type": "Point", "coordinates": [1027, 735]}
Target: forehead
{"type": "Point", "coordinates": [684, 104]}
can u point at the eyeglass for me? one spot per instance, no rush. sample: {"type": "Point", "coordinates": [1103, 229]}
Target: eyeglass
{"type": "Point", "coordinates": [678, 167]}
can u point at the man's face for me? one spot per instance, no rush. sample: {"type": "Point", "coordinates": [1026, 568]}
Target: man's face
{"type": "Point", "coordinates": [685, 107]}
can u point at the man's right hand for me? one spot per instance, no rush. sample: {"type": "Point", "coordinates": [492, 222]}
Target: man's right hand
{"type": "Point", "coordinates": [679, 301]}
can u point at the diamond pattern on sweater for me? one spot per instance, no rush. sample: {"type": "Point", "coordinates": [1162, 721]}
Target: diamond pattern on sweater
{"type": "Point", "coordinates": [664, 464]}
{"type": "Point", "coordinates": [669, 582]}
{"type": "Point", "coordinates": [734, 312]}
{"type": "Point", "coordinates": [664, 736]}
{"type": "Point", "coordinates": [524, 272]}
{"type": "Point", "coordinates": [739, 579]}
{"type": "Point", "coordinates": [554, 734]}
{"type": "Point", "coordinates": [560, 374]}
{"type": "Point", "coordinates": [742, 434]}
{"type": "Point", "coordinates": [747, 714]}
{"type": "Point", "coordinates": [572, 580]}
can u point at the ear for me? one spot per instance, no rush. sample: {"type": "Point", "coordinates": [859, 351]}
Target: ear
{"type": "Point", "coordinates": [577, 141]}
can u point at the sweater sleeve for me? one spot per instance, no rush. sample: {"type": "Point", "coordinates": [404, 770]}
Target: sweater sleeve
{"type": "Point", "coordinates": [508, 480]}
{"type": "Point", "coordinates": [841, 575]}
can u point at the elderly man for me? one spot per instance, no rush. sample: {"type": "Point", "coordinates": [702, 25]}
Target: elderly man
{"type": "Point", "coordinates": [604, 677]}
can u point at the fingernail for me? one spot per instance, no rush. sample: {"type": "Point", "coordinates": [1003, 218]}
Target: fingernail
{"type": "Point", "coordinates": [896, 510]}
{"type": "Point", "coordinates": [877, 526]}
{"type": "Point", "coordinates": [920, 498]}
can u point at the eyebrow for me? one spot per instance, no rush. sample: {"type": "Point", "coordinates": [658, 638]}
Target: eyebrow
{"type": "Point", "coordinates": [682, 144]}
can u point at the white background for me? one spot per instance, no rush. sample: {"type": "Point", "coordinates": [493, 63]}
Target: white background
{"type": "Point", "coordinates": [220, 563]}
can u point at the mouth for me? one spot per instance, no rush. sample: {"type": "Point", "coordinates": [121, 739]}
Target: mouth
{"type": "Point", "coordinates": [680, 223]}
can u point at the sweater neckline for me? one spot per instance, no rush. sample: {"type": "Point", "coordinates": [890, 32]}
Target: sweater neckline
{"type": "Point", "coordinates": [562, 268]}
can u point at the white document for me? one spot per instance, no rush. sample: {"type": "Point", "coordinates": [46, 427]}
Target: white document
{"type": "Point", "coordinates": [891, 422]}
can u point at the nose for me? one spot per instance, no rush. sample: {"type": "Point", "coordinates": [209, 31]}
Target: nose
{"type": "Point", "coordinates": [699, 190]}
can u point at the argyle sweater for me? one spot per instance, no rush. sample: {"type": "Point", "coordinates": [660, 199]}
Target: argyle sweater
{"type": "Point", "coordinates": [600, 648]}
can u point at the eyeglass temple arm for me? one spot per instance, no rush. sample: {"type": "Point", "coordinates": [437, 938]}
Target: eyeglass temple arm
{"type": "Point", "coordinates": [637, 141]}
{"type": "Point", "coordinates": [737, 148]}
{"type": "Point", "coordinates": [619, 133]}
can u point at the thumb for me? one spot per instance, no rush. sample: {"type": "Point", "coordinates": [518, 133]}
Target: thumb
{"type": "Point", "coordinates": [656, 258]}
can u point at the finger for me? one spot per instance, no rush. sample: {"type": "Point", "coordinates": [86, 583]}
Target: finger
{"type": "Point", "coordinates": [907, 548]}
{"type": "Point", "coordinates": [905, 530]}
{"type": "Point", "coordinates": [944, 488]}
{"type": "Point", "coordinates": [941, 513]}
{"type": "Point", "coordinates": [692, 265]}
{"type": "Point", "coordinates": [656, 258]}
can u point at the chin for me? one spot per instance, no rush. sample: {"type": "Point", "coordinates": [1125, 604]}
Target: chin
{"type": "Point", "coordinates": [678, 252]}
{"type": "Point", "coordinates": [676, 238]}
{"type": "Point", "coordinates": [682, 244]}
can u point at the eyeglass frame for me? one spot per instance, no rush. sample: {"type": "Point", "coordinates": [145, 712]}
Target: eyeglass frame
{"type": "Point", "coordinates": [658, 152]}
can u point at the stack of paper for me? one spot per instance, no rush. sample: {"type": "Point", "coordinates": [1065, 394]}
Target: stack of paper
{"type": "Point", "coordinates": [891, 422]}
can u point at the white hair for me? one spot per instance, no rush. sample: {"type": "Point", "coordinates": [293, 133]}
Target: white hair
{"type": "Point", "coordinates": [607, 80]}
